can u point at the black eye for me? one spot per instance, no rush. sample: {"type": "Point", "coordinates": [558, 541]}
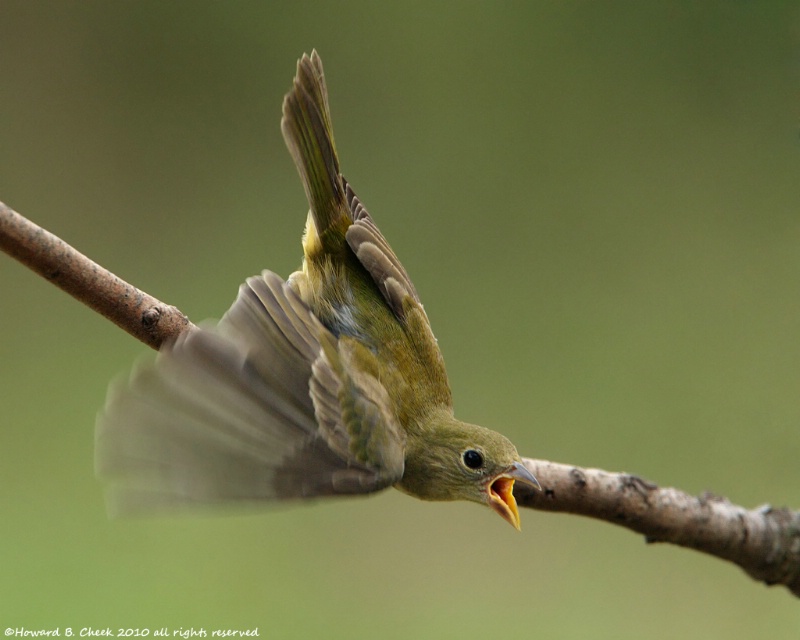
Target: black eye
{"type": "Point", "coordinates": [473, 459]}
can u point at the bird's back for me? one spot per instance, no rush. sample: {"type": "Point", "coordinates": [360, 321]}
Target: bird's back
{"type": "Point", "coordinates": [351, 279]}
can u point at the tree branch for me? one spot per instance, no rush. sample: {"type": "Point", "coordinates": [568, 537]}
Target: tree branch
{"type": "Point", "coordinates": [765, 542]}
{"type": "Point", "coordinates": [141, 315]}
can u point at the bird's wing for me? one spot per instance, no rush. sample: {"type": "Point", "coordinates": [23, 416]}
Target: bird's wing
{"type": "Point", "coordinates": [377, 257]}
{"type": "Point", "coordinates": [261, 407]}
{"type": "Point", "coordinates": [354, 410]}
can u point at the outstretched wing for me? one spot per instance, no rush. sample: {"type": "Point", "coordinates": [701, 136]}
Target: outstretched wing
{"type": "Point", "coordinates": [260, 407]}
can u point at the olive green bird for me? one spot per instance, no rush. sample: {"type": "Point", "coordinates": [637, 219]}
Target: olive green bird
{"type": "Point", "coordinates": [330, 383]}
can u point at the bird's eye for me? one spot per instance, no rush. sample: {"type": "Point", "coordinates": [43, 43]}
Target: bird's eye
{"type": "Point", "coordinates": [473, 459]}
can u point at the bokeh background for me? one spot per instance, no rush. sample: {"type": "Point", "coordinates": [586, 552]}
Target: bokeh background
{"type": "Point", "coordinates": [600, 206]}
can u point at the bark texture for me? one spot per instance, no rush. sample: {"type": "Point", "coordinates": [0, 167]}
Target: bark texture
{"type": "Point", "coordinates": [765, 542]}
{"type": "Point", "coordinates": [141, 315]}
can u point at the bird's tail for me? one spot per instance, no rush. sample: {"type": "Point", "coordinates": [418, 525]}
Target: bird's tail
{"type": "Point", "coordinates": [307, 130]}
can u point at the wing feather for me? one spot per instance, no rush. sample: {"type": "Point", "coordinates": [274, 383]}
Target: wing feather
{"type": "Point", "coordinates": [377, 257]}
{"type": "Point", "coordinates": [250, 410]}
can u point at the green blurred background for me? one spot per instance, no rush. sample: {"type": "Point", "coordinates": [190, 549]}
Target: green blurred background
{"type": "Point", "coordinates": [600, 206]}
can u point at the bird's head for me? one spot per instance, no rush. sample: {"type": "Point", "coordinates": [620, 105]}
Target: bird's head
{"type": "Point", "coordinates": [453, 460]}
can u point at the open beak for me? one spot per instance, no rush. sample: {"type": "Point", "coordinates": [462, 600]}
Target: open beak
{"type": "Point", "coordinates": [501, 492]}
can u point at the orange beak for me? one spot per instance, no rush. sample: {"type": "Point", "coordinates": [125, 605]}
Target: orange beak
{"type": "Point", "coordinates": [501, 492]}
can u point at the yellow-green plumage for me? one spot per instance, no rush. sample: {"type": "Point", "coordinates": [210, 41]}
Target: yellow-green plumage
{"type": "Point", "coordinates": [331, 383]}
{"type": "Point", "coordinates": [335, 283]}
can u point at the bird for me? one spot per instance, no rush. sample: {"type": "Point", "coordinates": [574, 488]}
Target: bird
{"type": "Point", "coordinates": [329, 383]}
